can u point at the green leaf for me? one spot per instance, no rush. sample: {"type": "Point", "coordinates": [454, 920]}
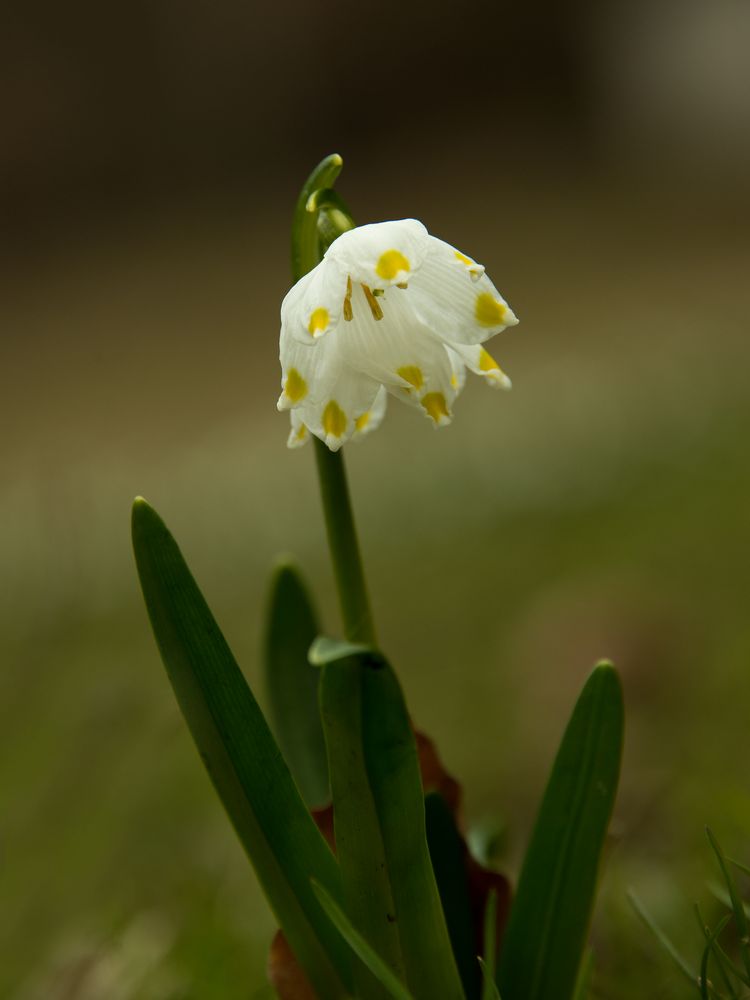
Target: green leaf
{"type": "Point", "coordinates": [448, 854]}
{"type": "Point", "coordinates": [550, 916]}
{"type": "Point", "coordinates": [292, 684]}
{"type": "Point", "coordinates": [392, 772]}
{"type": "Point", "coordinates": [487, 964]}
{"type": "Point", "coordinates": [241, 756]}
{"type": "Point", "coordinates": [489, 986]}
{"type": "Point", "coordinates": [738, 908]}
{"type": "Point", "coordinates": [367, 894]}
{"type": "Point", "coordinates": [585, 973]}
{"type": "Point", "coordinates": [361, 948]}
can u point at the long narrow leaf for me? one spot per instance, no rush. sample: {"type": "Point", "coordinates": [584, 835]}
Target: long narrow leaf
{"type": "Point", "coordinates": [292, 684]}
{"type": "Point", "coordinates": [241, 756]}
{"type": "Point", "coordinates": [550, 916]}
{"type": "Point", "coordinates": [362, 949]}
{"type": "Point", "coordinates": [392, 768]}
{"type": "Point", "coordinates": [448, 854]}
{"type": "Point", "coordinates": [489, 986]}
{"type": "Point", "coordinates": [367, 894]}
{"type": "Point", "coordinates": [488, 963]}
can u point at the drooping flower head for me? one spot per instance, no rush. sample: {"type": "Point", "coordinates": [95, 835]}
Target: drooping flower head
{"type": "Point", "coordinates": [389, 309]}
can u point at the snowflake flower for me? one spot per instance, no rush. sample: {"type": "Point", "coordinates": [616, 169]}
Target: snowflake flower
{"type": "Point", "coordinates": [389, 309]}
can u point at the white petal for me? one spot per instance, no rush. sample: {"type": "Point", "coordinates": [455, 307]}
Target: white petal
{"type": "Point", "coordinates": [334, 419]}
{"type": "Point", "coordinates": [456, 302]}
{"type": "Point", "coordinates": [381, 254]}
{"type": "Point", "coordinates": [481, 362]}
{"type": "Point", "coordinates": [307, 370]}
{"type": "Point", "coordinates": [299, 433]}
{"type": "Point", "coordinates": [371, 419]}
{"type": "Point", "coordinates": [399, 351]}
{"type": "Point", "coordinates": [313, 307]}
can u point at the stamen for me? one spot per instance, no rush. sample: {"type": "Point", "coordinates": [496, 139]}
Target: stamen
{"type": "Point", "coordinates": [402, 284]}
{"type": "Point", "coordinates": [348, 314]}
{"type": "Point", "coordinates": [377, 312]}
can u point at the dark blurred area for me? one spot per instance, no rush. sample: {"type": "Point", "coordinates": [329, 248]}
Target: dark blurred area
{"type": "Point", "coordinates": [595, 157]}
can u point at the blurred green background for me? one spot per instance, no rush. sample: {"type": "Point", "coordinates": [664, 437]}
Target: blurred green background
{"type": "Point", "coordinates": [596, 159]}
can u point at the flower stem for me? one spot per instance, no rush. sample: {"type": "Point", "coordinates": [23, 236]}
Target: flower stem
{"type": "Point", "coordinates": [342, 541]}
{"type": "Point", "coordinates": [320, 216]}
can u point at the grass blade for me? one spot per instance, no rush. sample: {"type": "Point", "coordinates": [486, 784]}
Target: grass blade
{"type": "Point", "coordinates": [361, 948]}
{"type": "Point", "coordinates": [448, 854]}
{"type": "Point", "coordinates": [550, 916]}
{"type": "Point", "coordinates": [392, 768]}
{"type": "Point", "coordinates": [292, 684]}
{"type": "Point", "coordinates": [241, 756]}
{"type": "Point", "coordinates": [662, 939]}
{"type": "Point", "coordinates": [712, 941]}
{"type": "Point", "coordinates": [738, 908]}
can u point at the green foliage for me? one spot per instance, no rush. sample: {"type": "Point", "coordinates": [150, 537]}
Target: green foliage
{"type": "Point", "coordinates": [381, 973]}
{"type": "Point", "coordinates": [447, 852]}
{"type": "Point", "coordinates": [241, 756]}
{"type": "Point", "coordinates": [549, 919]}
{"type": "Point", "coordinates": [368, 897]}
{"type": "Point", "coordinates": [488, 963]}
{"type": "Point", "coordinates": [392, 772]}
{"type": "Point", "coordinates": [720, 976]}
{"type": "Point", "coordinates": [292, 684]}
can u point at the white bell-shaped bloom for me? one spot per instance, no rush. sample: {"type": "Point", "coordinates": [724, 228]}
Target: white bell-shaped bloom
{"type": "Point", "coordinates": [389, 309]}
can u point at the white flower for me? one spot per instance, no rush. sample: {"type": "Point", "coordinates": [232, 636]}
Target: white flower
{"type": "Point", "coordinates": [389, 309]}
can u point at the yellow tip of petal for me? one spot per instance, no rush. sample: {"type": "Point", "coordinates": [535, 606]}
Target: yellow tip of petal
{"type": "Point", "coordinates": [295, 387]}
{"type": "Point", "coordinates": [362, 421]}
{"type": "Point", "coordinates": [334, 421]}
{"type": "Point", "coordinates": [436, 406]}
{"type": "Point", "coordinates": [411, 374]}
{"type": "Point", "coordinates": [489, 311]}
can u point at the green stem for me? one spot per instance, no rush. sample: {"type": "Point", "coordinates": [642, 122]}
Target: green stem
{"type": "Point", "coordinates": [342, 541]}
{"type": "Point", "coordinates": [318, 204]}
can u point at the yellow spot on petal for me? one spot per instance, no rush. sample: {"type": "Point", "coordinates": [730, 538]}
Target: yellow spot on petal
{"type": "Point", "coordinates": [390, 264]}
{"type": "Point", "coordinates": [319, 321]}
{"type": "Point", "coordinates": [295, 386]}
{"type": "Point", "coordinates": [475, 270]}
{"type": "Point", "coordinates": [301, 433]}
{"type": "Point", "coordinates": [454, 381]}
{"type": "Point", "coordinates": [486, 362]}
{"type": "Point", "coordinates": [334, 419]}
{"type": "Point", "coordinates": [489, 311]}
{"type": "Point", "coordinates": [434, 403]}
{"type": "Point", "coordinates": [412, 375]}
{"type": "Point", "coordinates": [362, 421]}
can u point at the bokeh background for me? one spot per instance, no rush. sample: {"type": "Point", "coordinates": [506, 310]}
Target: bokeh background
{"type": "Point", "coordinates": [596, 158]}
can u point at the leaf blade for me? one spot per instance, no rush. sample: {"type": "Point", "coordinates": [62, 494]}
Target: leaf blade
{"type": "Point", "coordinates": [292, 683]}
{"type": "Point", "coordinates": [240, 754]}
{"type": "Point", "coordinates": [361, 948]}
{"type": "Point", "coordinates": [549, 919]}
